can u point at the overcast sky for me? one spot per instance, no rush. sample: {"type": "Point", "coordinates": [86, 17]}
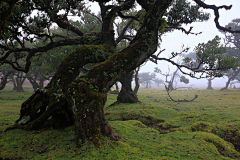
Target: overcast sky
{"type": "Point", "coordinates": [172, 42]}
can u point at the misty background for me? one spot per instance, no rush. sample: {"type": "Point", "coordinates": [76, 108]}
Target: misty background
{"type": "Point", "coordinates": [173, 41]}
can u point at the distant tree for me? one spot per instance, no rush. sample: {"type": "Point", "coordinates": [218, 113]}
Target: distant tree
{"type": "Point", "coordinates": [11, 75]}
{"type": "Point", "coordinates": [212, 52]}
{"type": "Point", "coordinates": [184, 79]}
{"type": "Point", "coordinates": [232, 43]}
{"type": "Point", "coordinates": [210, 82]}
{"type": "Point", "coordinates": [173, 77]}
{"type": "Point", "coordinates": [146, 78]}
{"type": "Point", "coordinates": [126, 94]}
{"type": "Point", "coordinates": [6, 72]}
{"type": "Point", "coordinates": [168, 74]}
{"type": "Point", "coordinates": [20, 78]}
{"type": "Point", "coordinates": [158, 81]}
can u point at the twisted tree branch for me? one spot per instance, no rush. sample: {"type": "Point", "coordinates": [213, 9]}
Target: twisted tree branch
{"type": "Point", "coordinates": [216, 13]}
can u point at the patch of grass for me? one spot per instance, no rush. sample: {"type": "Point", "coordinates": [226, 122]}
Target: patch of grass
{"type": "Point", "coordinates": [207, 128]}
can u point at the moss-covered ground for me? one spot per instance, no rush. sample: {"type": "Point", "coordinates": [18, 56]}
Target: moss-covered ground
{"type": "Point", "coordinates": [207, 128]}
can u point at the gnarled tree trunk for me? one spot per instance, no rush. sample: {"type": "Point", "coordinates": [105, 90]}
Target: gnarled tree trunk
{"type": "Point", "coordinates": [126, 94]}
{"type": "Point", "coordinates": [55, 101]}
{"type": "Point", "coordinates": [83, 99]}
{"type": "Point", "coordinates": [170, 83]}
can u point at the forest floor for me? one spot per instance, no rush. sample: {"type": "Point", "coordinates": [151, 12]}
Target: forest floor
{"type": "Point", "coordinates": [207, 128]}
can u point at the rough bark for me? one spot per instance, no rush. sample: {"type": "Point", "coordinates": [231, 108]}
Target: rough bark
{"type": "Point", "coordinates": [126, 94]}
{"type": "Point", "coordinates": [33, 110]}
{"type": "Point", "coordinates": [51, 102]}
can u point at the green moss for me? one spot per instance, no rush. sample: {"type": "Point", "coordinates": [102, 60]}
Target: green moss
{"type": "Point", "coordinates": [202, 126]}
{"type": "Point", "coordinates": [138, 142]}
{"type": "Point", "coordinates": [224, 148]}
{"type": "Point", "coordinates": [167, 125]}
{"type": "Point", "coordinates": [137, 123]}
{"type": "Point", "coordinates": [89, 104]}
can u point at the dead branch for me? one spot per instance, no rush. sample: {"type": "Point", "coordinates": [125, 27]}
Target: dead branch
{"type": "Point", "coordinates": [168, 89]}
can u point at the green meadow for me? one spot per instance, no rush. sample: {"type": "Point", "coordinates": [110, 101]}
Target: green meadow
{"type": "Point", "coordinates": [207, 128]}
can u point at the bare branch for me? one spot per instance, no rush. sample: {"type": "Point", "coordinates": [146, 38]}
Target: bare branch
{"type": "Point", "coordinates": [184, 30]}
{"type": "Point", "coordinates": [216, 13]}
{"type": "Point", "coordinates": [195, 69]}
{"type": "Point", "coordinates": [184, 100]}
{"type": "Point", "coordinates": [155, 60]}
{"type": "Point", "coordinates": [121, 35]}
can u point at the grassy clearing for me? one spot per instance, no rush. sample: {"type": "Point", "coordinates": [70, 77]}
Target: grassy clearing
{"type": "Point", "coordinates": [207, 128]}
